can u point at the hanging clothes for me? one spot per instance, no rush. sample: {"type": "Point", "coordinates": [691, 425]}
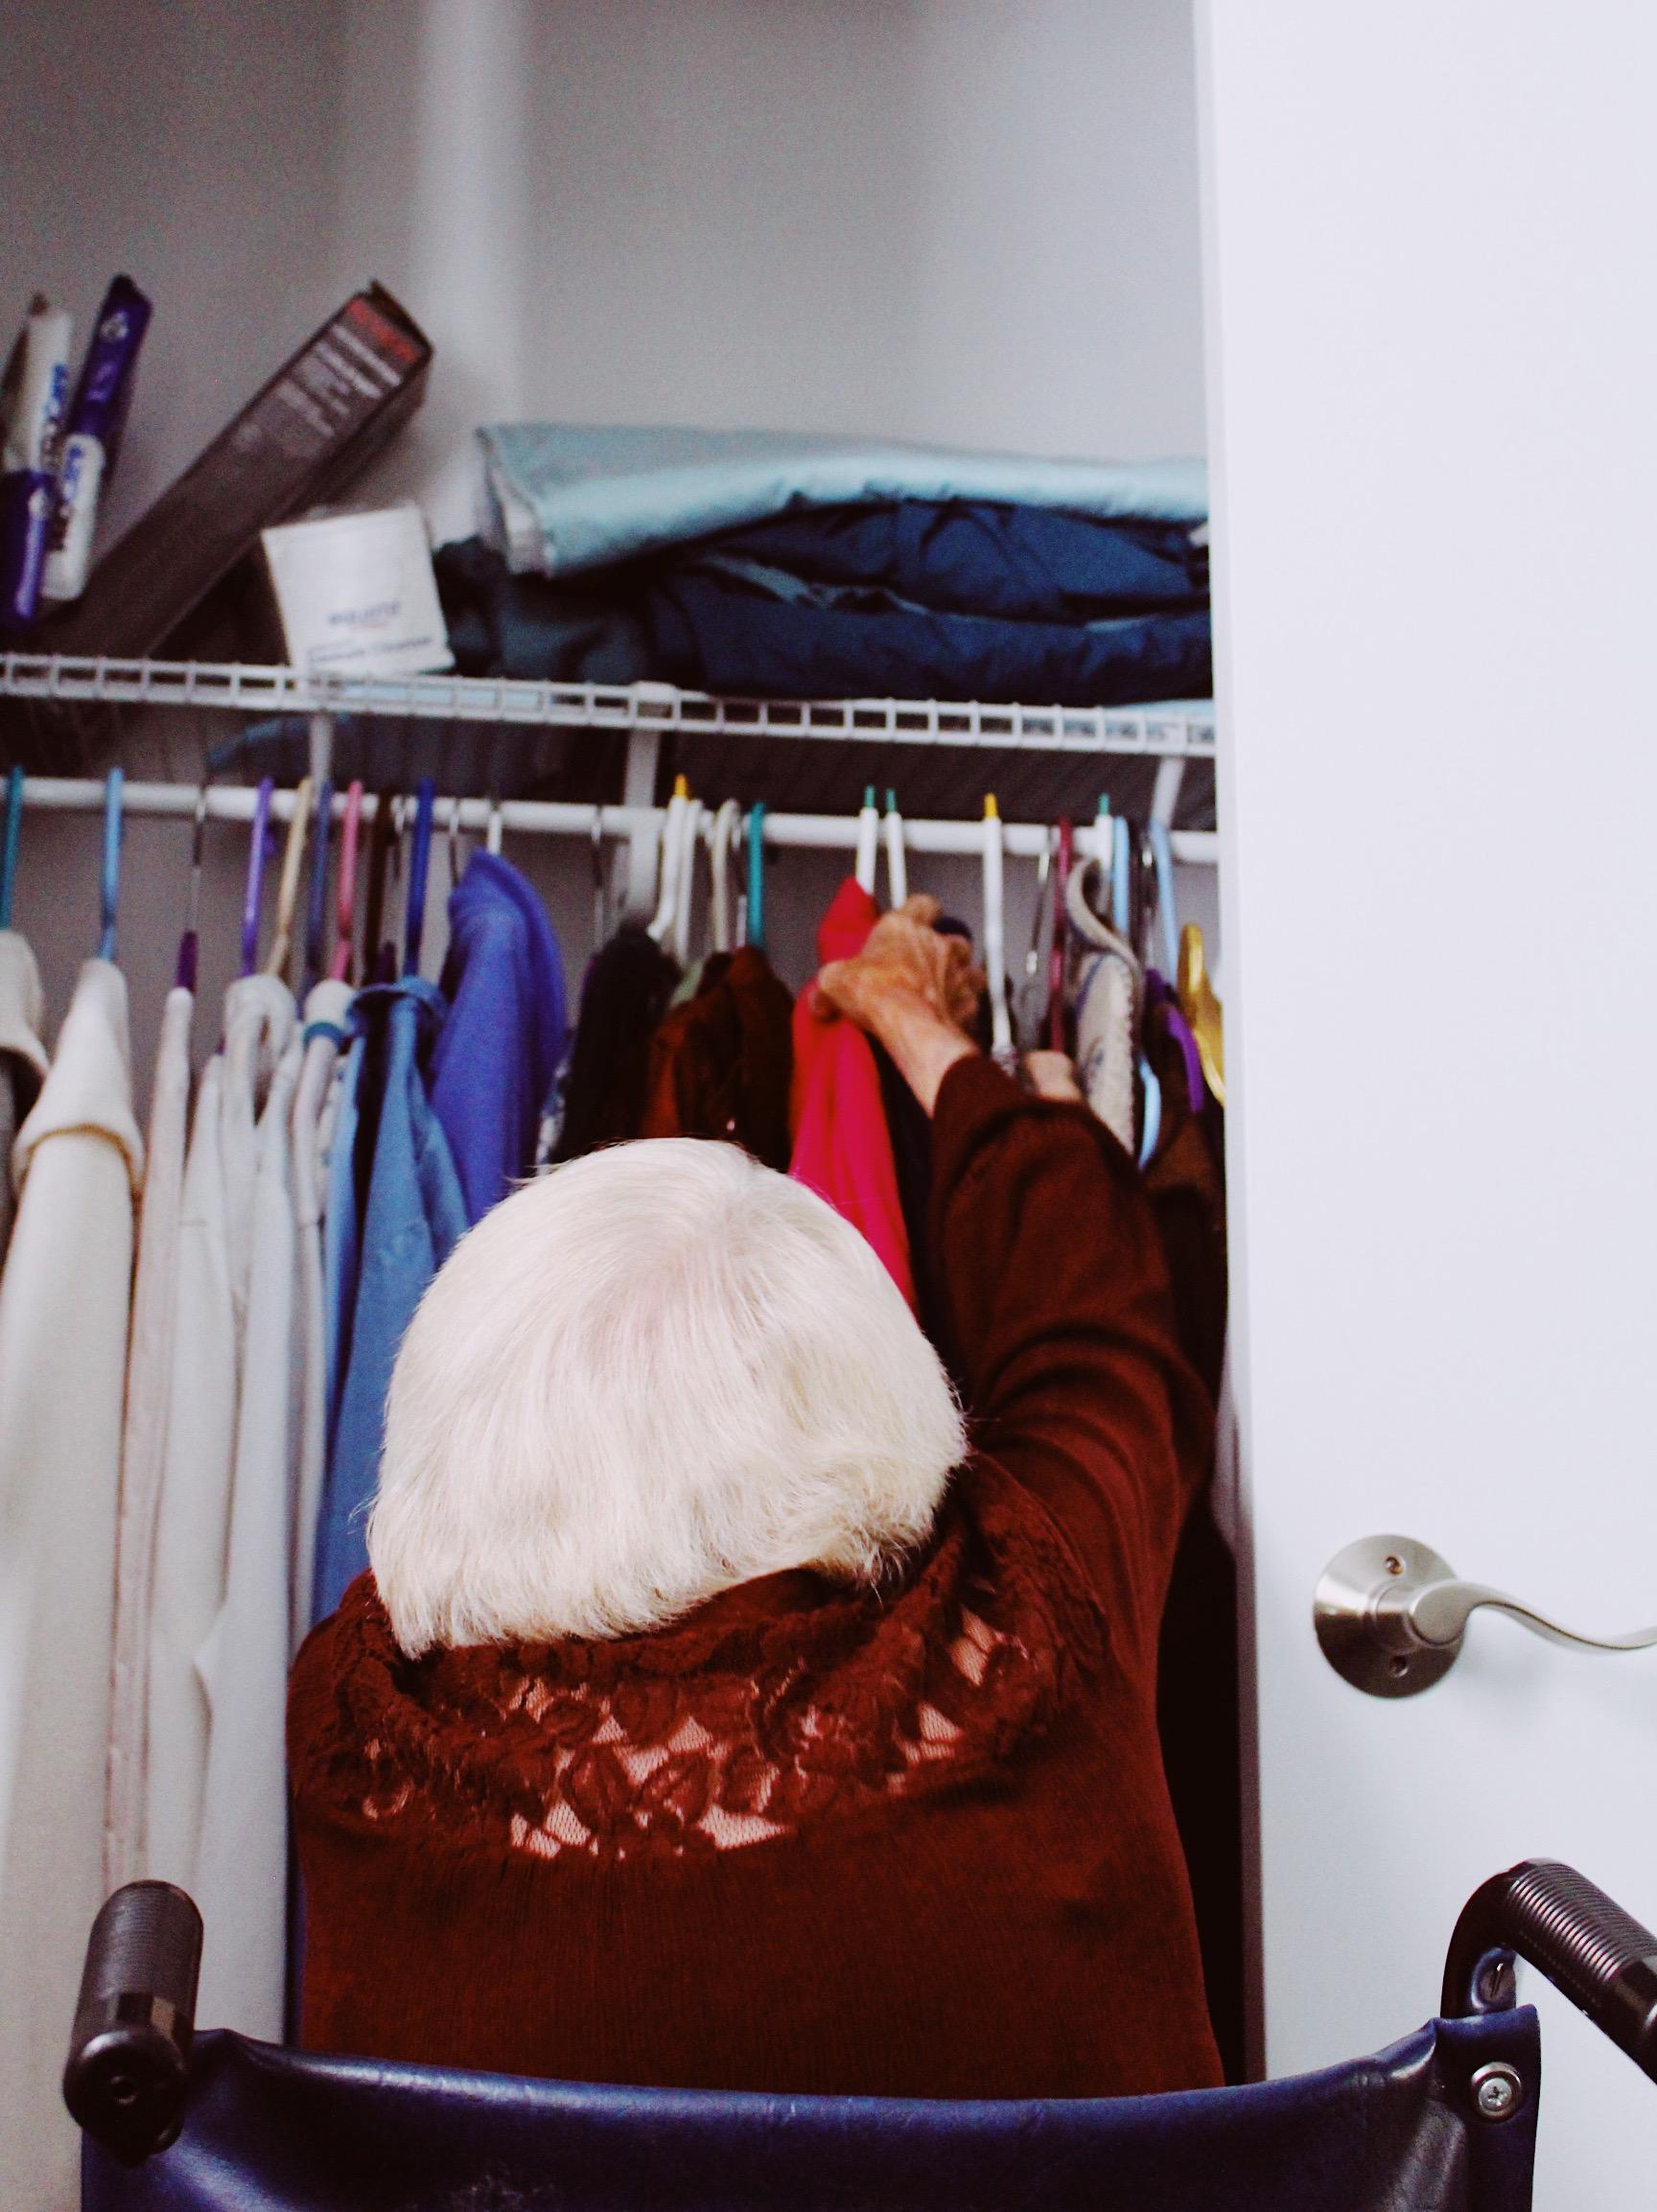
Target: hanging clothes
{"type": "Point", "coordinates": [501, 1044]}
{"type": "Point", "coordinates": [410, 1216]}
{"type": "Point", "coordinates": [842, 1146]}
{"type": "Point", "coordinates": [326, 1012]}
{"type": "Point", "coordinates": [22, 1057]}
{"type": "Point", "coordinates": [722, 1065]}
{"type": "Point", "coordinates": [623, 999]}
{"type": "Point", "coordinates": [150, 1361]}
{"type": "Point", "coordinates": [193, 1523]}
{"type": "Point", "coordinates": [1105, 1001]}
{"type": "Point", "coordinates": [65, 1309]}
{"type": "Point", "coordinates": [241, 1860]}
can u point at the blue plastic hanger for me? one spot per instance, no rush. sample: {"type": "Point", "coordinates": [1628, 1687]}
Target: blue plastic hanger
{"type": "Point", "coordinates": [8, 852]}
{"type": "Point", "coordinates": [109, 887]}
{"type": "Point", "coordinates": [755, 932]}
{"type": "Point", "coordinates": [1167, 900]}
{"type": "Point", "coordinates": [1122, 880]}
{"type": "Point", "coordinates": [419, 869]}
{"type": "Point", "coordinates": [253, 898]}
{"type": "Point", "coordinates": [1150, 1127]}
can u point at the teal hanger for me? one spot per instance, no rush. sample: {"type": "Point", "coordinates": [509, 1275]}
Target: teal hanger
{"type": "Point", "coordinates": [109, 885]}
{"type": "Point", "coordinates": [8, 852]}
{"type": "Point", "coordinates": [755, 923]}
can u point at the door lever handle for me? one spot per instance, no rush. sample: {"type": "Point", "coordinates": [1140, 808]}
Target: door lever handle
{"type": "Point", "coordinates": [1392, 1616]}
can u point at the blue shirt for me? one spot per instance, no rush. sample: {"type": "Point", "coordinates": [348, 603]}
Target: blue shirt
{"type": "Point", "coordinates": [494, 1063]}
{"type": "Point", "coordinates": [410, 1221]}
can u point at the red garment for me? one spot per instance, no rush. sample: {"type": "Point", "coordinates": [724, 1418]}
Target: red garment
{"type": "Point", "coordinates": [909, 1841]}
{"type": "Point", "coordinates": [842, 1146]}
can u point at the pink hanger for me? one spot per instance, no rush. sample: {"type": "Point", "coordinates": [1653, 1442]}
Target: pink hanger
{"type": "Point", "coordinates": [346, 913]}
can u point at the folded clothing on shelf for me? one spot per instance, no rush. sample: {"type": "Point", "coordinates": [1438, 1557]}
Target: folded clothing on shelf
{"type": "Point", "coordinates": [912, 598]}
{"type": "Point", "coordinates": [562, 497]}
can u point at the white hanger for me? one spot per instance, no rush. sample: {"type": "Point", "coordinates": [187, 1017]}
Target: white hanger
{"type": "Point", "coordinates": [867, 842]}
{"type": "Point", "coordinates": [897, 856]}
{"type": "Point", "coordinates": [492, 835]}
{"type": "Point", "coordinates": [667, 862]}
{"type": "Point", "coordinates": [996, 931]}
{"type": "Point", "coordinates": [726, 824]}
{"type": "Point", "coordinates": [691, 835]}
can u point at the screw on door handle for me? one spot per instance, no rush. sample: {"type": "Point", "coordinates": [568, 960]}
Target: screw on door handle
{"type": "Point", "coordinates": [1390, 1616]}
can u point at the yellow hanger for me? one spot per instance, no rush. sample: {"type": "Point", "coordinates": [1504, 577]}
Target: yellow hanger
{"type": "Point", "coordinates": [287, 890]}
{"type": "Point", "coordinates": [1202, 1008]}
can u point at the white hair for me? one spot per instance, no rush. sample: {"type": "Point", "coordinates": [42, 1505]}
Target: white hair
{"type": "Point", "coordinates": [659, 1371]}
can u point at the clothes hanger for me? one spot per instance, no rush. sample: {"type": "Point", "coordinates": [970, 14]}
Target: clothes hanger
{"type": "Point", "coordinates": [1031, 1006]}
{"type": "Point", "coordinates": [419, 873]}
{"type": "Point", "coordinates": [867, 842]}
{"type": "Point", "coordinates": [996, 931]}
{"type": "Point", "coordinates": [727, 822]}
{"type": "Point", "coordinates": [345, 906]}
{"type": "Point", "coordinates": [667, 862]}
{"type": "Point", "coordinates": [379, 838]}
{"type": "Point", "coordinates": [1121, 877]}
{"type": "Point", "coordinates": [495, 830]}
{"type": "Point", "coordinates": [897, 853]}
{"type": "Point", "coordinates": [1202, 1008]}
{"type": "Point", "coordinates": [452, 841]}
{"type": "Point", "coordinates": [754, 915]}
{"type": "Point", "coordinates": [600, 886]}
{"type": "Point", "coordinates": [316, 895]}
{"type": "Point", "coordinates": [1167, 898]}
{"type": "Point", "coordinates": [253, 896]}
{"type": "Point", "coordinates": [288, 883]}
{"type": "Point", "coordinates": [1060, 926]}
{"type": "Point", "coordinates": [690, 845]}
{"type": "Point", "coordinates": [109, 882]}
{"type": "Point", "coordinates": [8, 849]}
{"type": "Point", "coordinates": [387, 963]}
{"type": "Point", "coordinates": [1151, 1119]}
{"type": "Point", "coordinates": [184, 975]}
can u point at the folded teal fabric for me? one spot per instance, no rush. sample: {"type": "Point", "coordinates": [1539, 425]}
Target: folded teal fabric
{"type": "Point", "coordinates": [562, 497]}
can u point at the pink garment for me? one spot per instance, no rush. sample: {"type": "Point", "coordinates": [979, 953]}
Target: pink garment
{"type": "Point", "coordinates": [842, 1147]}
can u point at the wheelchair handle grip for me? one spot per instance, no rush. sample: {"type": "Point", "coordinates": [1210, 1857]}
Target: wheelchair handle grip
{"type": "Point", "coordinates": [128, 2069]}
{"type": "Point", "coordinates": [1597, 1955]}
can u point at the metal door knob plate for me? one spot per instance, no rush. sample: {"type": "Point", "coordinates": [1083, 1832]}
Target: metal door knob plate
{"type": "Point", "coordinates": [1392, 1616]}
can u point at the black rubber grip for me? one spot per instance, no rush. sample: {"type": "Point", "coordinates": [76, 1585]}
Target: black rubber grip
{"type": "Point", "coordinates": [128, 2069]}
{"type": "Point", "coordinates": [1560, 1922]}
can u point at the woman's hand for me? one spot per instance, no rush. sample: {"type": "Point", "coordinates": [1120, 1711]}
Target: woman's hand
{"type": "Point", "coordinates": [914, 990]}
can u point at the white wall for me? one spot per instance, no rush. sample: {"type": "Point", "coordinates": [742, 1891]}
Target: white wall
{"type": "Point", "coordinates": [1434, 349]}
{"type": "Point", "coordinates": [959, 220]}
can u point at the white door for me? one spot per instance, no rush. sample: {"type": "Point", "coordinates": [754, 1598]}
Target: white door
{"type": "Point", "coordinates": [1432, 230]}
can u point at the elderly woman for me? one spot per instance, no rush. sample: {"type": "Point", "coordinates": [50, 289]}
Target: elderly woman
{"type": "Point", "coordinates": [721, 1710]}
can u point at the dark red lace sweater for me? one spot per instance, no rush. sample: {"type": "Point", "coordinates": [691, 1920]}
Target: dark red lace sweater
{"type": "Point", "coordinates": [915, 1843]}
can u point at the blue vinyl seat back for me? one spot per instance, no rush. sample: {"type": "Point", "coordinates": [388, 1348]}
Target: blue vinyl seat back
{"type": "Point", "coordinates": [273, 2131]}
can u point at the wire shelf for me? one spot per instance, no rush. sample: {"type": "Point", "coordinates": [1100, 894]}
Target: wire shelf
{"type": "Point", "coordinates": [1180, 731]}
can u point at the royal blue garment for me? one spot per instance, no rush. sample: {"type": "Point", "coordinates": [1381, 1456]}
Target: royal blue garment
{"type": "Point", "coordinates": [500, 1047]}
{"type": "Point", "coordinates": [411, 1214]}
{"type": "Point", "coordinates": [294, 2131]}
{"type": "Point", "coordinates": [966, 557]}
{"type": "Point", "coordinates": [778, 638]}
{"type": "Point", "coordinates": [564, 498]}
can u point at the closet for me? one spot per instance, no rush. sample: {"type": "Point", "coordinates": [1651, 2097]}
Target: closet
{"type": "Point", "coordinates": [1385, 269]}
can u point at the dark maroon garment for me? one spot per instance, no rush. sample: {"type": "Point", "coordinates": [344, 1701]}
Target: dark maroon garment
{"type": "Point", "coordinates": [814, 1837]}
{"type": "Point", "coordinates": [721, 1065]}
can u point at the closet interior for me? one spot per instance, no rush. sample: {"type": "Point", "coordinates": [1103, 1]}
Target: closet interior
{"type": "Point", "coordinates": [864, 223]}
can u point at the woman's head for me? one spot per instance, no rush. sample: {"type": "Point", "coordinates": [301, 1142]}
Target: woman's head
{"type": "Point", "coordinates": [656, 1373]}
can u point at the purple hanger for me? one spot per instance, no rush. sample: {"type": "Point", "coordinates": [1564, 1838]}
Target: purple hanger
{"type": "Point", "coordinates": [254, 898]}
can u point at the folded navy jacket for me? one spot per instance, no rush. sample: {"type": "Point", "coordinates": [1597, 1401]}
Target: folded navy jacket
{"type": "Point", "coordinates": [946, 599]}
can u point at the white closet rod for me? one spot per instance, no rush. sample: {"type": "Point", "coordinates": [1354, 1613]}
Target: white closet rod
{"type": "Point", "coordinates": [545, 817]}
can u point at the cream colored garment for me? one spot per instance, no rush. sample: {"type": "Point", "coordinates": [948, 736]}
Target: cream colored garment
{"type": "Point", "coordinates": [1106, 1003]}
{"type": "Point", "coordinates": [193, 1522]}
{"type": "Point", "coordinates": [64, 1304]}
{"type": "Point", "coordinates": [242, 1863]}
{"type": "Point", "coordinates": [325, 1013]}
{"type": "Point", "coordinates": [144, 1441]}
{"type": "Point", "coordinates": [22, 1057]}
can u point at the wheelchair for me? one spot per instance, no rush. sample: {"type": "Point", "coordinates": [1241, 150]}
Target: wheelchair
{"type": "Point", "coordinates": [1444, 2121]}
